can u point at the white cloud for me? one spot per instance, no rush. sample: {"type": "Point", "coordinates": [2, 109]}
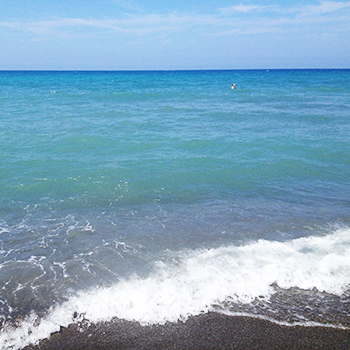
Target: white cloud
{"type": "Point", "coordinates": [278, 19]}
{"type": "Point", "coordinates": [240, 8]}
{"type": "Point", "coordinates": [324, 7]}
{"type": "Point", "coordinates": [258, 19]}
{"type": "Point", "coordinates": [128, 5]}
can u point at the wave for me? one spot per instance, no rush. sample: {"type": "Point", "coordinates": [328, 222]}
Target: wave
{"type": "Point", "coordinates": [190, 282]}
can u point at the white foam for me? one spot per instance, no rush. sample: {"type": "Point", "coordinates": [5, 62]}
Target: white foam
{"type": "Point", "coordinates": [191, 282]}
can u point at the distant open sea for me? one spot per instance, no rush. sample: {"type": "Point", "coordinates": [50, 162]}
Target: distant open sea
{"type": "Point", "coordinates": [152, 196]}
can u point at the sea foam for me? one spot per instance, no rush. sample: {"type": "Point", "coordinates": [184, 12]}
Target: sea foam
{"type": "Point", "coordinates": [188, 283]}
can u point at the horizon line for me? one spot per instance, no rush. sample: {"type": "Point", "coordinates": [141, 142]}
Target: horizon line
{"type": "Point", "coordinates": [164, 70]}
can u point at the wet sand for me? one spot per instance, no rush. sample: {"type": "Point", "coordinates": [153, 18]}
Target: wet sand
{"type": "Point", "coordinates": [207, 331]}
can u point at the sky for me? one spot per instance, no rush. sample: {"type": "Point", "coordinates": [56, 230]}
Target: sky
{"type": "Point", "coordinates": [177, 34]}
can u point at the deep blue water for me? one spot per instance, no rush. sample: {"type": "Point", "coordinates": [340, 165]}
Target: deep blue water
{"type": "Point", "coordinates": [170, 180]}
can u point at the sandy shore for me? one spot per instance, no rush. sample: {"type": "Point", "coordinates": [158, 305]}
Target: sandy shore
{"type": "Point", "coordinates": [208, 331]}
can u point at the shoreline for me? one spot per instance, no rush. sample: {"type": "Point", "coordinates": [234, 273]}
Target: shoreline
{"type": "Point", "coordinates": [206, 331]}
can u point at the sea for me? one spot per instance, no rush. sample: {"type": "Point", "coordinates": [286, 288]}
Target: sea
{"type": "Point", "coordinates": [154, 196]}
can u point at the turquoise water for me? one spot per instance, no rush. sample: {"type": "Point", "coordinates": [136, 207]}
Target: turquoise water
{"type": "Point", "coordinates": [96, 138]}
{"type": "Point", "coordinates": [104, 175]}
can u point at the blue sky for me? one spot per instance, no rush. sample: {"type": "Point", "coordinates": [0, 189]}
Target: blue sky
{"type": "Point", "coordinates": [149, 34]}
